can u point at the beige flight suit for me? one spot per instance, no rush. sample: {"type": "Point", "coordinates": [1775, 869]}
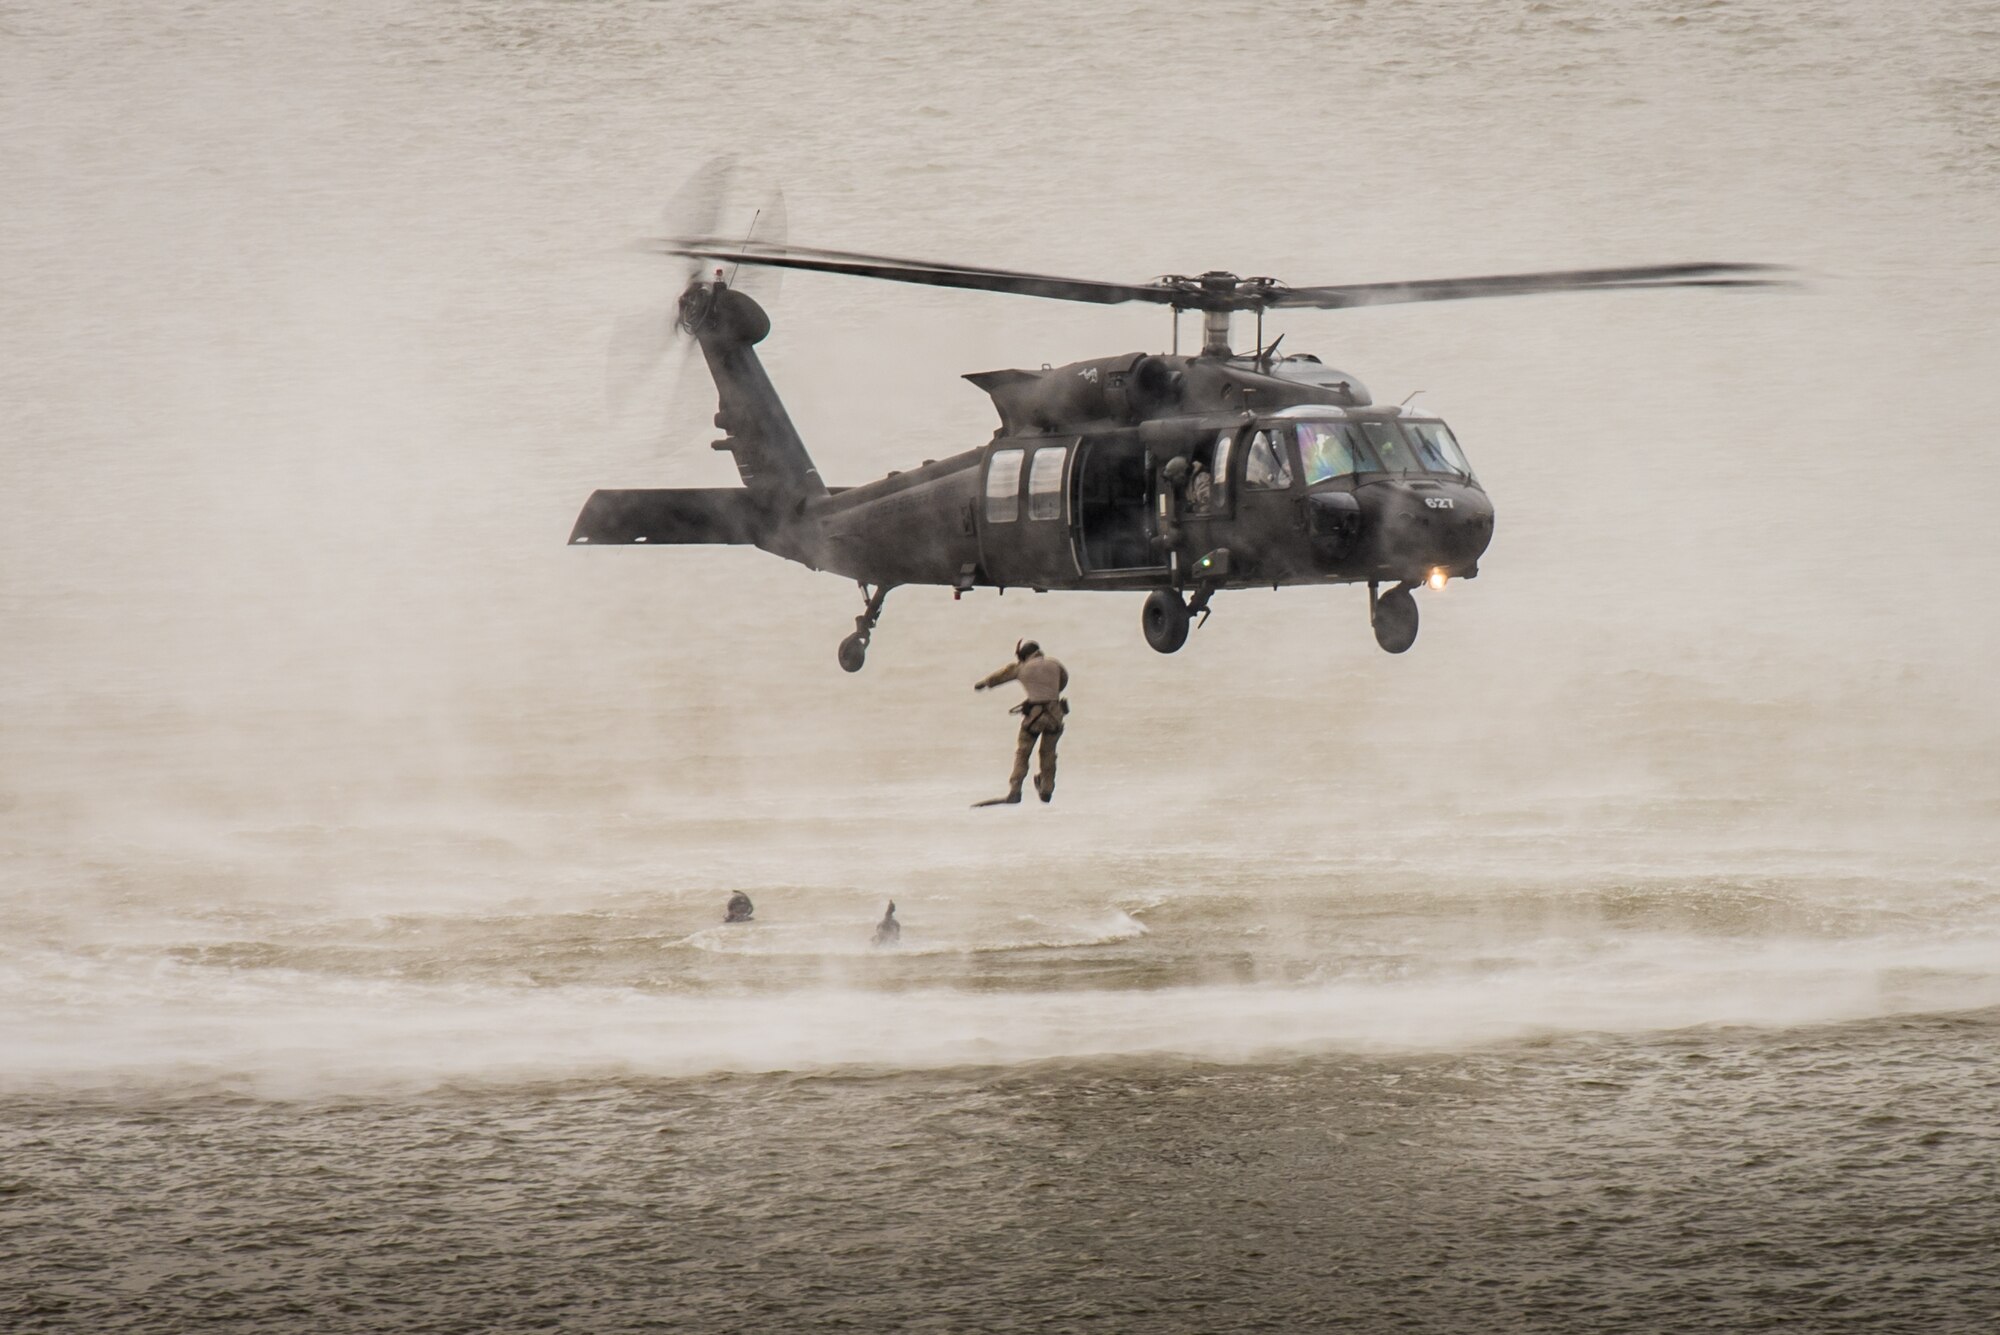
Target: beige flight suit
{"type": "Point", "coordinates": [1044, 679]}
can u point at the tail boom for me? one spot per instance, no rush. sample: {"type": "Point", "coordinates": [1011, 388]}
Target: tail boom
{"type": "Point", "coordinates": [672, 516]}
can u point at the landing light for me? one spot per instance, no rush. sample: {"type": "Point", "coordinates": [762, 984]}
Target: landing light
{"type": "Point", "coordinates": [1436, 581]}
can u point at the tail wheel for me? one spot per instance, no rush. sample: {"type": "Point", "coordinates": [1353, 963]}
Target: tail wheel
{"type": "Point", "coordinates": [853, 652]}
{"type": "Point", "coordinates": [1165, 620]}
{"type": "Point", "coordinates": [1395, 618]}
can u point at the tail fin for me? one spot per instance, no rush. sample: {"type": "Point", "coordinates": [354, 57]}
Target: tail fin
{"type": "Point", "coordinates": [770, 457]}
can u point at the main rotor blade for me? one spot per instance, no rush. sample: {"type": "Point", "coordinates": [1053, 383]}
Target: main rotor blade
{"type": "Point", "coordinates": [924, 272]}
{"type": "Point", "coordinates": [1345, 295]}
{"type": "Point", "coordinates": [1230, 293]}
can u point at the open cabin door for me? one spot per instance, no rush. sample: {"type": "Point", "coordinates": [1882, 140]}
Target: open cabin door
{"type": "Point", "coordinates": [1113, 495]}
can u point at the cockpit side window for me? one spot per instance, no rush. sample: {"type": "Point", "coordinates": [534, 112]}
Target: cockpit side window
{"type": "Point", "coordinates": [1332, 449]}
{"type": "Point", "coordinates": [1269, 466]}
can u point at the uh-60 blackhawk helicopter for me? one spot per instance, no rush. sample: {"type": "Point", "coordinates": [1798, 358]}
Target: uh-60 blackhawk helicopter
{"type": "Point", "coordinates": [1176, 475]}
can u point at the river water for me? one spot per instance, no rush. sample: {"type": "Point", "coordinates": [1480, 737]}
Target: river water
{"type": "Point", "coordinates": [1624, 957]}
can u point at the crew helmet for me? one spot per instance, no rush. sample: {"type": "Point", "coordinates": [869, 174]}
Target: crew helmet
{"type": "Point", "coordinates": [1026, 649]}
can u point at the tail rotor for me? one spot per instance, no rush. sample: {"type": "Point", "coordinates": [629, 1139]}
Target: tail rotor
{"type": "Point", "coordinates": [649, 366]}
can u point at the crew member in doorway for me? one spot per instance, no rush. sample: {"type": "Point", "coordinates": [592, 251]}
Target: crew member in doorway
{"type": "Point", "coordinates": [740, 908]}
{"type": "Point", "coordinates": [888, 931]}
{"type": "Point", "coordinates": [1044, 679]}
{"type": "Point", "coordinates": [1200, 489]}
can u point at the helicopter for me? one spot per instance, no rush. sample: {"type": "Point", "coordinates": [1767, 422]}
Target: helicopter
{"type": "Point", "coordinates": [1176, 475]}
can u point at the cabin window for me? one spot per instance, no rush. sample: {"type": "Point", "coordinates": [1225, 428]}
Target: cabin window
{"type": "Point", "coordinates": [1331, 449]}
{"type": "Point", "coordinates": [1045, 479]}
{"type": "Point", "coordinates": [1003, 487]}
{"type": "Point", "coordinates": [1269, 468]}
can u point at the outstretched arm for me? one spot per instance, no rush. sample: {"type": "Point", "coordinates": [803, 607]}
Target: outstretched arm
{"type": "Point", "coordinates": [1005, 674]}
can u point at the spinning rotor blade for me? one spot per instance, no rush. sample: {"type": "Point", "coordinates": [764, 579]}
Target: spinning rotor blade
{"type": "Point", "coordinates": [1344, 296]}
{"type": "Point", "coordinates": [1217, 291]}
{"type": "Point", "coordinates": [924, 272]}
{"type": "Point", "coordinates": [698, 203]}
{"type": "Point", "coordinates": [768, 228]}
{"type": "Point", "coordinates": [646, 340]}
{"type": "Point", "coordinates": [640, 343]}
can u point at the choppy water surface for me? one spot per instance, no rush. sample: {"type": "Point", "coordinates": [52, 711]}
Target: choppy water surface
{"type": "Point", "coordinates": [1624, 957]}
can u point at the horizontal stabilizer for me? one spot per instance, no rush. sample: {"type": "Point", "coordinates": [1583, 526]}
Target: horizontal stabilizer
{"type": "Point", "coordinates": [684, 515]}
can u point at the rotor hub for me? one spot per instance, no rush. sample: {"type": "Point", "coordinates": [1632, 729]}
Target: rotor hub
{"type": "Point", "coordinates": [696, 303]}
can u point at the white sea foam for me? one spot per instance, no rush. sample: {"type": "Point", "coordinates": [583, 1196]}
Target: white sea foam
{"type": "Point", "coordinates": [285, 1031]}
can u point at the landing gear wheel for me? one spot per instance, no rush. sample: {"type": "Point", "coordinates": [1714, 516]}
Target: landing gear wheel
{"type": "Point", "coordinates": [1395, 618]}
{"type": "Point", "coordinates": [854, 649]}
{"type": "Point", "coordinates": [1165, 620]}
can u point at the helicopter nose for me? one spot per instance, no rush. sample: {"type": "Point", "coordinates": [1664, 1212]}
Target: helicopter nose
{"type": "Point", "coordinates": [1432, 526]}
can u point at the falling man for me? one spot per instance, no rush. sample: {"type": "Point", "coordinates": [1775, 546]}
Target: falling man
{"type": "Point", "coordinates": [1044, 679]}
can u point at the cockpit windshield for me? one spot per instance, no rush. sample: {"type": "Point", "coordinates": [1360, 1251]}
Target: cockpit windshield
{"type": "Point", "coordinates": [1331, 449]}
{"type": "Point", "coordinates": [1389, 447]}
{"type": "Point", "coordinates": [1343, 448]}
